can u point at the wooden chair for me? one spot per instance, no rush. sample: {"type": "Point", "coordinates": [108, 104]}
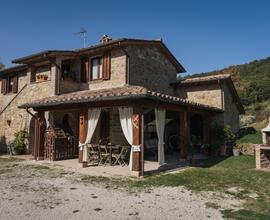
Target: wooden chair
{"type": "Point", "coordinates": [93, 153]}
{"type": "Point", "coordinates": [104, 154]}
{"type": "Point", "coordinates": [120, 158]}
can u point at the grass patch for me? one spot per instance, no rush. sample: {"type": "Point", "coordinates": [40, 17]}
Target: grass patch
{"type": "Point", "coordinates": [244, 214]}
{"type": "Point", "coordinates": [232, 172]}
{"type": "Point", "coordinates": [255, 138]}
{"type": "Point", "coordinates": [218, 175]}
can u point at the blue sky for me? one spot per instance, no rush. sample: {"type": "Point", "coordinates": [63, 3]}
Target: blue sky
{"type": "Point", "coordinates": [203, 35]}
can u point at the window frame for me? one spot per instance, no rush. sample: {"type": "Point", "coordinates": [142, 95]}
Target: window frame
{"type": "Point", "coordinates": [10, 84]}
{"type": "Point", "coordinates": [100, 68]}
{"type": "Point", "coordinates": [10, 80]}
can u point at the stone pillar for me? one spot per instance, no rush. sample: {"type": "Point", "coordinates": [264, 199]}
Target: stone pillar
{"type": "Point", "coordinates": [137, 165]}
{"type": "Point", "coordinates": [40, 128]}
{"type": "Point", "coordinates": [83, 131]}
{"type": "Point", "coordinates": [258, 156]}
{"type": "Point", "coordinates": [183, 133]}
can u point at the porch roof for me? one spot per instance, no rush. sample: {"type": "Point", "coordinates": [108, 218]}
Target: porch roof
{"type": "Point", "coordinates": [127, 92]}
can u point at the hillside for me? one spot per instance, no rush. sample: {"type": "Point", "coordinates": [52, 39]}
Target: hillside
{"type": "Point", "coordinates": [251, 80]}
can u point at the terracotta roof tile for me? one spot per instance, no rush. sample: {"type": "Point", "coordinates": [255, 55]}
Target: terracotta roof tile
{"type": "Point", "coordinates": [205, 78]}
{"type": "Point", "coordinates": [124, 92]}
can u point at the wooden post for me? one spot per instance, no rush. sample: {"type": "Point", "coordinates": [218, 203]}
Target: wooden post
{"type": "Point", "coordinates": [83, 132]}
{"type": "Point", "coordinates": [183, 133]}
{"type": "Point", "coordinates": [40, 128]}
{"type": "Point", "coordinates": [136, 164]}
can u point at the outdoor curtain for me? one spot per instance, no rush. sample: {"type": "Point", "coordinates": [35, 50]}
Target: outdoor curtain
{"type": "Point", "coordinates": [125, 114]}
{"type": "Point", "coordinates": [93, 117]}
{"type": "Point", "coordinates": [160, 115]}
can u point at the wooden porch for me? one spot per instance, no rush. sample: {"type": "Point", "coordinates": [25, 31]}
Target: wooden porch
{"type": "Point", "coordinates": [179, 112]}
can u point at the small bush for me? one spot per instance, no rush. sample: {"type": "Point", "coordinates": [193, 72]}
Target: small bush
{"type": "Point", "coordinates": [19, 142]}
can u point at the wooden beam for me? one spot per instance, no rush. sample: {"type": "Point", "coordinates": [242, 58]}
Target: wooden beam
{"type": "Point", "coordinates": [82, 131]}
{"type": "Point", "coordinates": [40, 127]}
{"type": "Point", "coordinates": [136, 122]}
{"type": "Point", "coordinates": [183, 116]}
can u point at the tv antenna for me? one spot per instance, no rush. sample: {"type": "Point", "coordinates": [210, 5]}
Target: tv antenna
{"type": "Point", "coordinates": [82, 33]}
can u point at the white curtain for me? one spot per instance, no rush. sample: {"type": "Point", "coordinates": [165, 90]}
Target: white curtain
{"type": "Point", "coordinates": [160, 115]}
{"type": "Point", "coordinates": [125, 114]}
{"type": "Point", "coordinates": [93, 117]}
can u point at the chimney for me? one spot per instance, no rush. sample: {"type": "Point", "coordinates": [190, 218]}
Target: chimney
{"type": "Point", "coordinates": [105, 39]}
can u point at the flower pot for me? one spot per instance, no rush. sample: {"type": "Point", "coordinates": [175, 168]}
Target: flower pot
{"type": "Point", "coordinates": [41, 78]}
{"type": "Point", "coordinates": [236, 152]}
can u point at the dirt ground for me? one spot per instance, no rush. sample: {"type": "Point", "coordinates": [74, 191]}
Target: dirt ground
{"type": "Point", "coordinates": [39, 192]}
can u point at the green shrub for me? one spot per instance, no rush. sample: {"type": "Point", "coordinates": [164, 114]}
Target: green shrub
{"type": "Point", "coordinates": [19, 141]}
{"type": "Point", "coordinates": [221, 135]}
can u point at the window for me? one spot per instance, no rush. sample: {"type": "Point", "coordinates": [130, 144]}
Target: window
{"type": "Point", "coordinates": [10, 84]}
{"type": "Point", "coordinates": [96, 68]}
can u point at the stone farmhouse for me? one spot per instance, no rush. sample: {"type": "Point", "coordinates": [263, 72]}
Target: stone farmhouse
{"type": "Point", "coordinates": [125, 91]}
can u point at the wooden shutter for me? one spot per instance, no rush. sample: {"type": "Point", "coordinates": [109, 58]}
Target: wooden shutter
{"type": "Point", "coordinates": [4, 86]}
{"type": "Point", "coordinates": [85, 70]}
{"type": "Point", "coordinates": [106, 75]}
{"type": "Point", "coordinates": [15, 84]}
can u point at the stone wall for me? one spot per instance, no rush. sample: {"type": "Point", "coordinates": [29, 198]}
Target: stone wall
{"type": "Point", "coordinates": [116, 133]}
{"type": "Point", "coordinates": [216, 96]}
{"type": "Point", "coordinates": [231, 113]}
{"type": "Point", "coordinates": [151, 69]}
{"type": "Point", "coordinates": [204, 94]}
{"type": "Point", "coordinates": [19, 118]}
{"type": "Point", "coordinates": [118, 73]}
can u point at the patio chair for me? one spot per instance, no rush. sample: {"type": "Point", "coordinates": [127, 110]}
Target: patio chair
{"type": "Point", "coordinates": [120, 158]}
{"type": "Point", "coordinates": [93, 152]}
{"type": "Point", "coordinates": [104, 154]}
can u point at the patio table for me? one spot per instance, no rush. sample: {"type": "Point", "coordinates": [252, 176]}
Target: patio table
{"type": "Point", "coordinates": [112, 148]}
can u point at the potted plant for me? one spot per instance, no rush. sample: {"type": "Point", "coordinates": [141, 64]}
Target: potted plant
{"type": "Point", "coordinates": [18, 145]}
{"type": "Point", "coordinates": [236, 151]}
{"type": "Point", "coordinates": [41, 77]}
{"type": "Point", "coordinates": [45, 77]}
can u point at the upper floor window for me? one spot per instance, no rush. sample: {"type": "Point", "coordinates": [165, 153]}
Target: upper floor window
{"type": "Point", "coordinates": [96, 68]}
{"type": "Point", "coordinates": [9, 84]}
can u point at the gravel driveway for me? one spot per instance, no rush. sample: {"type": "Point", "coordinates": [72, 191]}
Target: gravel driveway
{"type": "Point", "coordinates": [39, 192]}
